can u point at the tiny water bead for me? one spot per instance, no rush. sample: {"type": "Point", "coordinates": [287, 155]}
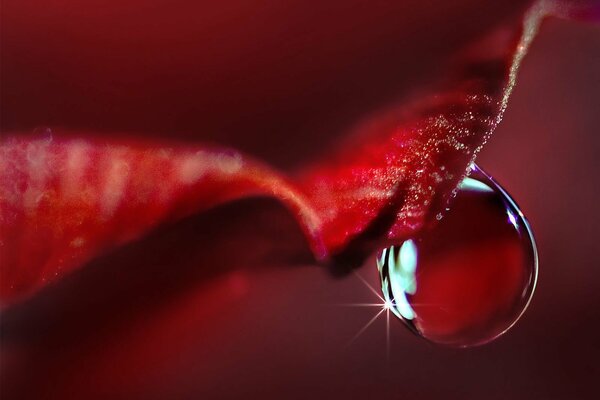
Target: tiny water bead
{"type": "Point", "coordinates": [469, 278]}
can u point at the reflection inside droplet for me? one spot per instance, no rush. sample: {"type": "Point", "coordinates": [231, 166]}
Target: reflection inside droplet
{"type": "Point", "coordinates": [470, 277]}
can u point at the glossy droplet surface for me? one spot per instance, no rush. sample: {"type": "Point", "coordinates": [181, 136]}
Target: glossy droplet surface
{"type": "Point", "coordinates": [469, 278]}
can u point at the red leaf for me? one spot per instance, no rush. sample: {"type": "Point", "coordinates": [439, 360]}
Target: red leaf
{"type": "Point", "coordinates": [64, 200]}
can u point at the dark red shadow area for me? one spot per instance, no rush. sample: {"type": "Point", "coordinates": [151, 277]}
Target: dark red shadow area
{"type": "Point", "coordinates": [203, 257]}
{"type": "Point", "coordinates": [281, 81]}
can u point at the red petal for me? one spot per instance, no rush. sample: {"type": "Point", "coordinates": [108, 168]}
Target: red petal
{"type": "Point", "coordinates": [65, 200]}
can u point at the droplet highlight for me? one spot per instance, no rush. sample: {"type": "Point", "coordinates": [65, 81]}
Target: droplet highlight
{"type": "Point", "coordinates": [469, 278]}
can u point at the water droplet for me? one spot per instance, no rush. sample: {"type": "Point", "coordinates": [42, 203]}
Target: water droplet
{"type": "Point", "coordinates": [469, 278]}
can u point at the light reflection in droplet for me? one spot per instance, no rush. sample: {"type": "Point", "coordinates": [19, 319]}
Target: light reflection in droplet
{"type": "Point", "coordinates": [468, 279]}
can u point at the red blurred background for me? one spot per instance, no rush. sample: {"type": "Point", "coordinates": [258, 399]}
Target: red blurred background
{"type": "Point", "coordinates": [202, 308]}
